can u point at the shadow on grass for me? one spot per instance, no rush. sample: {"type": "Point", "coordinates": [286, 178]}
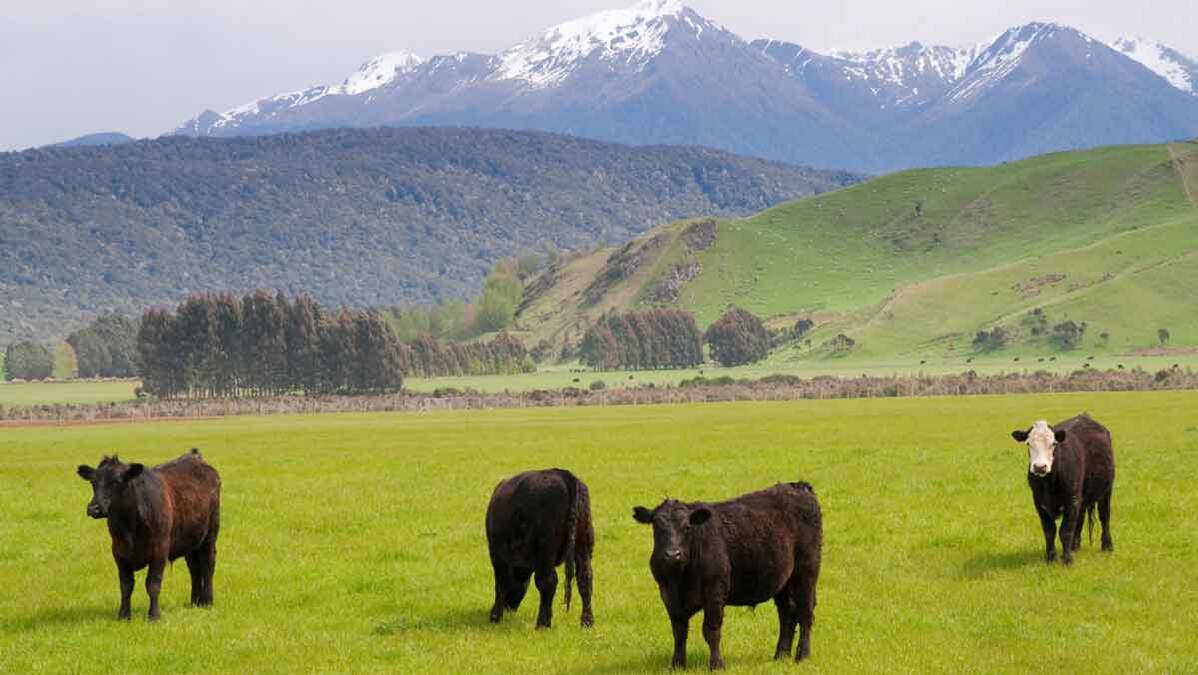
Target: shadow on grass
{"type": "Point", "coordinates": [639, 664]}
{"type": "Point", "coordinates": [454, 619]}
{"type": "Point", "coordinates": [58, 616]}
{"type": "Point", "coordinates": [989, 563]}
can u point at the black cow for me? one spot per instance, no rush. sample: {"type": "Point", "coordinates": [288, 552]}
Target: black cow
{"type": "Point", "coordinates": [1071, 469]}
{"type": "Point", "coordinates": [536, 521]}
{"type": "Point", "coordinates": [158, 515]}
{"type": "Point", "coordinates": [759, 546]}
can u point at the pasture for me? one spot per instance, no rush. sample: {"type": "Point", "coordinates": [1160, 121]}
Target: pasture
{"type": "Point", "coordinates": [354, 543]}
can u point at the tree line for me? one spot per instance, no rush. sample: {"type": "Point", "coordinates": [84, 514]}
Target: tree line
{"type": "Point", "coordinates": [656, 338]}
{"type": "Point", "coordinates": [219, 345]}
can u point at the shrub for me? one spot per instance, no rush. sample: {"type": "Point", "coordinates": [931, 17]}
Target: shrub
{"type": "Point", "coordinates": [738, 338]}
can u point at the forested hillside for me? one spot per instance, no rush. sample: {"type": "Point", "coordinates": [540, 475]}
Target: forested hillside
{"type": "Point", "coordinates": [361, 217]}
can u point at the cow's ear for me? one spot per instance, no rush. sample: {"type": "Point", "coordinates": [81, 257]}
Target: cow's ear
{"type": "Point", "coordinates": [1060, 434]}
{"type": "Point", "coordinates": [133, 471]}
{"type": "Point", "coordinates": [1019, 435]}
{"type": "Point", "coordinates": [642, 515]}
{"type": "Point", "coordinates": [86, 472]}
{"type": "Point", "coordinates": [699, 516]}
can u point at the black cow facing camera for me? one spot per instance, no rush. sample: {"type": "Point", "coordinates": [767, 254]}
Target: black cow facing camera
{"type": "Point", "coordinates": [760, 546]}
{"type": "Point", "coordinates": [156, 515]}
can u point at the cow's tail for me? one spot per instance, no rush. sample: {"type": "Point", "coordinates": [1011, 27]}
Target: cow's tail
{"type": "Point", "coordinates": [574, 496]}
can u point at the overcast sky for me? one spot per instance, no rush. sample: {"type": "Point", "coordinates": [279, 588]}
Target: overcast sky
{"type": "Point", "coordinates": [69, 67]}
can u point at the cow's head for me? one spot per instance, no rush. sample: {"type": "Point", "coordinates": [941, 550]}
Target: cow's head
{"type": "Point", "coordinates": [1042, 444]}
{"type": "Point", "coordinates": [675, 527]}
{"type": "Point", "coordinates": [108, 480]}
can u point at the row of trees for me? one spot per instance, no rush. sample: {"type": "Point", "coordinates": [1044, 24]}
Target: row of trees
{"type": "Point", "coordinates": [737, 338]}
{"type": "Point", "coordinates": [217, 345]}
{"type": "Point", "coordinates": [106, 348]}
{"type": "Point", "coordinates": [669, 338]}
{"type": "Point", "coordinates": [657, 338]}
{"type": "Point", "coordinates": [28, 361]}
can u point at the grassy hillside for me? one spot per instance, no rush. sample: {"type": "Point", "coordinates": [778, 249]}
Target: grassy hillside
{"type": "Point", "coordinates": [915, 263]}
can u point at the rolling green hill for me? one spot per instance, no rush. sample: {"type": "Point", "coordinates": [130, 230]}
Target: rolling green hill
{"type": "Point", "coordinates": [914, 264]}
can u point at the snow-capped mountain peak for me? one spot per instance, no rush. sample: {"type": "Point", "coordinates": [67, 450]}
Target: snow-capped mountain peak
{"type": "Point", "coordinates": [377, 72]}
{"type": "Point", "coordinates": [631, 36]}
{"type": "Point", "coordinates": [1177, 69]}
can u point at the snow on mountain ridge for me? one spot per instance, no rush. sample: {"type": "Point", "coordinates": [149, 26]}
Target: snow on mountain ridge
{"type": "Point", "coordinates": [377, 72]}
{"type": "Point", "coordinates": [634, 35]}
{"type": "Point", "coordinates": [1156, 56]}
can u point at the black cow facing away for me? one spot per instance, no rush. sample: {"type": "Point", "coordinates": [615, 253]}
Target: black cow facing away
{"type": "Point", "coordinates": [1071, 469]}
{"type": "Point", "coordinates": [156, 515]}
{"type": "Point", "coordinates": [535, 522]}
{"type": "Point", "coordinates": [759, 546]}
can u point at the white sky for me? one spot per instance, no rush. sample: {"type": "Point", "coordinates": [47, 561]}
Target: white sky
{"type": "Point", "coordinates": [69, 67]}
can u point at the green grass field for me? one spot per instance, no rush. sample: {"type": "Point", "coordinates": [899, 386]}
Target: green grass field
{"type": "Point", "coordinates": [73, 391]}
{"type": "Point", "coordinates": [354, 543]}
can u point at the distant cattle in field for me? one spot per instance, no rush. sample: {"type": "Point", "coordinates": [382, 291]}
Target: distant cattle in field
{"type": "Point", "coordinates": [156, 515]}
{"type": "Point", "coordinates": [536, 521]}
{"type": "Point", "coordinates": [760, 546]}
{"type": "Point", "coordinates": [1071, 470]}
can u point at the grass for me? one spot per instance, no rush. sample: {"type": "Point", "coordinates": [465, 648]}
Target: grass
{"type": "Point", "coordinates": [73, 391]}
{"type": "Point", "coordinates": [354, 543]}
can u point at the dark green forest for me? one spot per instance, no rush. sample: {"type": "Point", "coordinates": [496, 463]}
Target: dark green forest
{"type": "Point", "coordinates": [361, 218]}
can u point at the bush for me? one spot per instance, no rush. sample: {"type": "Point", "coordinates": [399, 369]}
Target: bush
{"type": "Point", "coordinates": [738, 338]}
{"type": "Point", "coordinates": [28, 361]}
{"type": "Point", "coordinates": [598, 385]}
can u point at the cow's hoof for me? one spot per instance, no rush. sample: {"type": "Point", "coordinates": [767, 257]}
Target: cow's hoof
{"type": "Point", "coordinates": [1108, 547]}
{"type": "Point", "coordinates": [124, 617]}
{"type": "Point", "coordinates": [1068, 562]}
{"type": "Point", "coordinates": [588, 621]}
{"type": "Point", "coordinates": [716, 664]}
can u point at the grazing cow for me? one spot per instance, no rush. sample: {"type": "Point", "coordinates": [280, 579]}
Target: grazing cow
{"type": "Point", "coordinates": [536, 521]}
{"type": "Point", "coordinates": [1071, 469]}
{"type": "Point", "coordinates": [741, 552]}
{"type": "Point", "coordinates": [157, 515]}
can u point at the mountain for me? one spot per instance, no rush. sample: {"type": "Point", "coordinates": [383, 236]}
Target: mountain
{"type": "Point", "coordinates": [659, 72]}
{"type": "Point", "coordinates": [102, 138]}
{"type": "Point", "coordinates": [1178, 69]}
{"type": "Point", "coordinates": [361, 217]}
{"type": "Point", "coordinates": [914, 264]}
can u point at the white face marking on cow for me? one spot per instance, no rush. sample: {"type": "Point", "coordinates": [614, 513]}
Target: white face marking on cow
{"type": "Point", "coordinates": [1041, 444]}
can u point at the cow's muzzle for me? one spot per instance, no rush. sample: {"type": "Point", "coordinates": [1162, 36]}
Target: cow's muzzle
{"type": "Point", "coordinates": [1040, 470]}
{"type": "Point", "coordinates": [95, 511]}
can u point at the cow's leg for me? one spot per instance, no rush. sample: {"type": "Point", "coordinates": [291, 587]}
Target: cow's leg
{"type": "Point", "coordinates": [195, 566]}
{"type": "Point", "coordinates": [202, 564]}
{"type": "Point", "coordinates": [546, 577]}
{"type": "Point", "coordinates": [125, 573]}
{"type": "Point", "coordinates": [154, 586]}
{"type": "Point", "coordinates": [503, 577]}
{"type": "Point", "coordinates": [1077, 529]}
{"type": "Point", "coordinates": [787, 620]}
{"type": "Point", "coordinates": [808, 577]}
{"type": "Point", "coordinates": [207, 597]}
{"type": "Point", "coordinates": [713, 622]}
{"type": "Point", "coordinates": [1068, 524]}
{"type": "Point", "coordinates": [1104, 516]}
{"type": "Point", "coordinates": [585, 583]}
{"type": "Point", "coordinates": [1049, 524]}
{"type": "Point", "coordinates": [681, 626]}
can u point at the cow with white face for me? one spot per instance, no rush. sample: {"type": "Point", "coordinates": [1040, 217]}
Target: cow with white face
{"type": "Point", "coordinates": [1071, 470]}
{"type": "Point", "coordinates": [1042, 441]}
